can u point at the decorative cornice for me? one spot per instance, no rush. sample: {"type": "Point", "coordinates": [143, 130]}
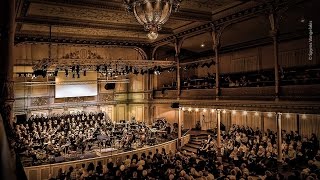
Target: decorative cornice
{"type": "Point", "coordinates": [271, 106]}
{"type": "Point", "coordinates": [83, 23]}
{"type": "Point", "coordinates": [116, 6]}
{"type": "Point", "coordinates": [20, 38]}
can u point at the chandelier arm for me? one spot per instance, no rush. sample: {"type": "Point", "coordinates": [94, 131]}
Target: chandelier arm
{"type": "Point", "coordinates": [138, 17]}
{"type": "Point", "coordinates": [149, 12]}
{"type": "Point", "coordinates": [165, 16]}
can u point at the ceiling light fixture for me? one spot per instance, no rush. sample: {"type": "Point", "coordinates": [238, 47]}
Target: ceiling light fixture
{"type": "Point", "coordinates": [152, 14]}
{"type": "Point", "coordinates": [202, 45]}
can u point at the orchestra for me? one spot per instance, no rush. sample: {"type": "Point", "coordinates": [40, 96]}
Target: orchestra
{"type": "Point", "coordinates": [44, 138]}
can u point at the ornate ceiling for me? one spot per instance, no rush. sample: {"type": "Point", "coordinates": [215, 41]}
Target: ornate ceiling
{"type": "Point", "coordinates": [98, 19]}
{"type": "Point", "coordinates": [105, 22]}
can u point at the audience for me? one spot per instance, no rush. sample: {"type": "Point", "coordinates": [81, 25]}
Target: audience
{"type": "Point", "coordinates": [289, 76]}
{"type": "Point", "coordinates": [246, 154]}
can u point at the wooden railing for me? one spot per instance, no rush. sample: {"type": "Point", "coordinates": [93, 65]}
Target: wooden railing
{"type": "Point", "coordinates": [43, 171]}
{"type": "Point", "coordinates": [294, 92]}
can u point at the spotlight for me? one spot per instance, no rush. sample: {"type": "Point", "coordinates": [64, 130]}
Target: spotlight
{"type": "Point", "coordinates": [55, 73]}
{"type": "Point", "coordinates": [304, 116]}
{"type": "Point", "coordinates": [197, 109]}
{"type": "Point", "coordinates": [157, 72]}
{"type": "Point", "coordinates": [183, 109]}
{"type": "Point", "coordinates": [136, 72]}
{"type": "Point", "coordinates": [204, 110]}
{"type": "Point", "coordinates": [212, 110]}
{"type": "Point", "coordinates": [234, 112]}
{"type": "Point", "coordinates": [269, 114]}
{"type": "Point", "coordinates": [202, 45]}
{"type": "Point", "coordinates": [245, 113]}
{"type": "Point", "coordinates": [288, 116]}
{"type": "Point", "coordinates": [224, 111]}
{"type": "Point", "coordinates": [190, 109]}
{"type": "Point", "coordinates": [256, 113]}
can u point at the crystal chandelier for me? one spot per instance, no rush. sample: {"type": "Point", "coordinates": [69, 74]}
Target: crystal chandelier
{"type": "Point", "coordinates": [152, 14]}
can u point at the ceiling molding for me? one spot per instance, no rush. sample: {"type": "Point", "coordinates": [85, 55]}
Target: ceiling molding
{"type": "Point", "coordinates": [27, 38]}
{"type": "Point", "coordinates": [262, 106]}
{"type": "Point", "coordinates": [119, 7]}
{"type": "Point", "coordinates": [83, 23]}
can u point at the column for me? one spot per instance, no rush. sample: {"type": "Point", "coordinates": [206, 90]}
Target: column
{"type": "Point", "coordinates": [179, 128]}
{"type": "Point", "coordinates": [278, 116]}
{"type": "Point", "coordinates": [298, 123]}
{"type": "Point", "coordinates": [274, 34]}
{"type": "Point", "coordinates": [177, 46]}
{"type": "Point", "coordinates": [7, 61]}
{"type": "Point", "coordinates": [216, 34]}
{"type": "Point", "coordinates": [218, 132]}
{"type": "Point", "coordinates": [262, 122]}
{"type": "Point", "coordinates": [7, 12]}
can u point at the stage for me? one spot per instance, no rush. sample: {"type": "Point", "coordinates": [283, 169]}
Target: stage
{"type": "Point", "coordinates": [106, 151]}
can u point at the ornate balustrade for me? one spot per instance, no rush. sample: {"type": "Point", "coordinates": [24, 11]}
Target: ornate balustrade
{"type": "Point", "coordinates": [290, 92]}
{"type": "Point", "coordinates": [43, 171]}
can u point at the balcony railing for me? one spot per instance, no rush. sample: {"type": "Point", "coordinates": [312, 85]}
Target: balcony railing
{"type": "Point", "coordinates": [289, 92]}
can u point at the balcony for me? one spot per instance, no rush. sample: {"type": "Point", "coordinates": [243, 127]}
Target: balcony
{"type": "Point", "coordinates": [289, 92]}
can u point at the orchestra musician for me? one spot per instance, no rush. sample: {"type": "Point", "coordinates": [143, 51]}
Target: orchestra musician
{"type": "Point", "coordinates": [59, 134]}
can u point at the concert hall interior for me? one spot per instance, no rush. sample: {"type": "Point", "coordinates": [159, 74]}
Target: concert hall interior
{"type": "Point", "coordinates": [159, 89]}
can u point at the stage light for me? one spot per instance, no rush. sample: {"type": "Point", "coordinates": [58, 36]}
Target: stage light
{"type": "Point", "coordinates": [245, 113]}
{"type": "Point", "coordinates": [204, 110]}
{"type": "Point", "coordinates": [56, 72]}
{"type": "Point", "coordinates": [288, 116]}
{"type": "Point", "coordinates": [212, 110]}
{"type": "Point", "coordinates": [197, 109]}
{"type": "Point", "coordinates": [304, 116]}
{"type": "Point", "coordinates": [256, 113]}
{"type": "Point", "coordinates": [269, 114]}
{"type": "Point", "coordinates": [224, 111]}
{"type": "Point", "coordinates": [190, 109]}
{"type": "Point", "coordinates": [234, 112]}
{"type": "Point", "coordinates": [183, 109]}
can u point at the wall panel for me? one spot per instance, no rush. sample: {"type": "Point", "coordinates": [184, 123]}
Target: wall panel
{"type": "Point", "coordinates": [167, 112]}
{"type": "Point", "coordinates": [121, 112]}
{"type": "Point", "coordinates": [270, 122]}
